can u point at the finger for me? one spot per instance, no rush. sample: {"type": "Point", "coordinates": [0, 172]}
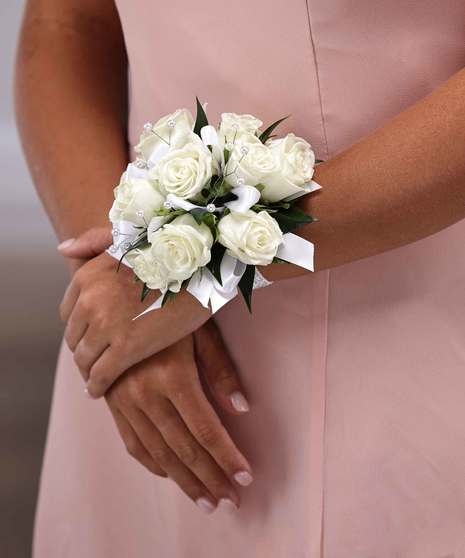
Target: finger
{"type": "Point", "coordinates": [106, 369]}
{"type": "Point", "coordinates": [69, 300]}
{"type": "Point", "coordinates": [177, 436]}
{"type": "Point", "coordinates": [89, 349]}
{"type": "Point", "coordinates": [88, 245]}
{"type": "Point", "coordinates": [218, 369]}
{"type": "Point", "coordinates": [206, 427]}
{"type": "Point", "coordinates": [76, 327]}
{"type": "Point", "coordinates": [133, 445]}
{"type": "Point", "coordinates": [169, 462]}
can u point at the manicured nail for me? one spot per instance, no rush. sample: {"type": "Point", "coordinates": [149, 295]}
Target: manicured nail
{"type": "Point", "coordinates": [244, 478]}
{"type": "Point", "coordinates": [239, 402]}
{"type": "Point", "coordinates": [86, 391]}
{"type": "Point", "coordinates": [65, 244]}
{"type": "Point", "coordinates": [227, 504]}
{"type": "Point", "coordinates": [205, 505]}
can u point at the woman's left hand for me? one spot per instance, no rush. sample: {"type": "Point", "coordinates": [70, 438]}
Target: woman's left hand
{"type": "Point", "coordinates": [99, 306]}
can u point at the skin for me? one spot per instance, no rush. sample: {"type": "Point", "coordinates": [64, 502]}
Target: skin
{"type": "Point", "coordinates": [406, 181]}
{"type": "Point", "coordinates": [71, 107]}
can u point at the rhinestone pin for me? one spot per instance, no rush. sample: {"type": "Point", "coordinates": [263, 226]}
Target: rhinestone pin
{"type": "Point", "coordinates": [140, 164]}
{"type": "Point", "coordinates": [167, 205]}
{"type": "Point", "coordinates": [171, 123]}
{"type": "Point", "coordinates": [140, 213]}
{"type": "Point", "coordinates": [240, 181]}
{"type": "Point", "coordinates": [211, 208]}
{"type": "Point", "coordinates": [244, 150]}
{"type": "Point", "coordinates": [148, 126]}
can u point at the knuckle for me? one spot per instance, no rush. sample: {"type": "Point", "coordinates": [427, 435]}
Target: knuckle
{"type": "Point", "coordinates": [162, 456]}
{"type": "Point", "coordinates": [159, 473]}
{"type": "Point", "coordinates": [133, 448]}
{"type": "Point", "coordinates": [187, 454]}
{"type": "Point", "coordinates": [79, 359]}
{"type": "Point", "coordinates": [216, 486]}
{"type": "Point", "coordinates": [121, 344]}
{"type": "Point", "coordinates": [225, 379]}
{"type": "Point", "coordinates": [100, 380]}
{"type": "Point", "coordinates": [171, 384]}
{"type": "Point", "coordinates": [137, 390]}
{"type": "Point", "coordinates": [207, 434]}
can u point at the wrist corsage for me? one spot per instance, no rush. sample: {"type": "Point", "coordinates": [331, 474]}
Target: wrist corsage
{"type": "Point", "coordinates": [202, 207]}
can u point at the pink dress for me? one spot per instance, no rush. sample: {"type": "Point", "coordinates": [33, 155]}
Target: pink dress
{"type": "Point", "coordinates": [356, 376]}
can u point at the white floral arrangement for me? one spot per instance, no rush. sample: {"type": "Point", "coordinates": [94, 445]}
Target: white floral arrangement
{"type": "Point", "coordinates": [201, 207]}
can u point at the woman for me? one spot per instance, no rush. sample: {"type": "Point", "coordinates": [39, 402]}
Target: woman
{"type": "Point", "coordinates": [354, 375]}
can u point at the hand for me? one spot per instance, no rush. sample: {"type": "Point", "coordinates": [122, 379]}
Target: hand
{"type": "Point", "coordinates": [99, 306]}
{"type": "Point", "coordinates": [169, 426]}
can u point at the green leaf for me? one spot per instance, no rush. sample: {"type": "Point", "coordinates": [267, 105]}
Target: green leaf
{"type": "Point", "coordinates": [198, 213]}
{"type": "Point", "coordinates": [292, 218]}
{"type": "Point", "coordinates": [217, 253]}
{"type": "Point", "coordinates": [227, 154]}
{"type": "Point", "coordinates": [201, 118]}
{"type": "Point", "coordinates": [267, 133]}
{"type": "Point", "coordinates": [169, 295]}
{"type": "Point", "coordinates": [210, 219]}
{"type": "Point", "coordinates": [246, 285]}
{"type": "Point", "coordinates": [145, 292]}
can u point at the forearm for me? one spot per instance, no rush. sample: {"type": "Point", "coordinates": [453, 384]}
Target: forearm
{"type": "Point", "coordinates": [71, 110]}
{"type": "Point", "coordinates": [400, 184]}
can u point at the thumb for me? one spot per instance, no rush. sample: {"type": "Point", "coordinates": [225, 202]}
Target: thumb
{"type": "Point", "coordinates": [218, 369]}
{"type": "Point", "coordinates": [90, 244]}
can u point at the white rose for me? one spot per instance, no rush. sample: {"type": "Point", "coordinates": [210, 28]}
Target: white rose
{"type": "Point", "coordinates": [250, 160]}
{"type": "Point", "coordinates": [175, 129]}
{"type": "Point", "coordinates": [136, 200]}
{"type": "Point", "coordinates": [233, 125]}
{"type": "Point", "coordinates": [184, 172]}
{"type": "Point", "coordinates": [295, 162]}
{"type": "Point", "coordinates": [180, 248]}
{"type": "Point", "coordinates": [253, 238]}
{"type": "Point", "coordinates": [148, 269]}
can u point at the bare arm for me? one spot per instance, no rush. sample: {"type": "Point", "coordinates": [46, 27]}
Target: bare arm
{"type": "Point", "coordinates": [400, 184]}
{"type": "Point", "coordinates": [71, 107]}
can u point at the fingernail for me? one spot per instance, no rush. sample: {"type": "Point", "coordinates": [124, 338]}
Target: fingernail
{"type": "Point", "coordinates": [65, 244]}
{"type": "Point", "coordinates": [239, 402]}
{"type": "Point", "coordinates": [86, 391]}
{"type": "Point", "coordinates": [227, 504]}
{"type": "Point", "coordinates": [244, 478]}
{"type": "Point", "coordinates": [205, 505]}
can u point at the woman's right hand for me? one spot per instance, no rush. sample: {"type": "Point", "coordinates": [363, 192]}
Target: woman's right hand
{"type": "Point", "coordinates": [170, 427]}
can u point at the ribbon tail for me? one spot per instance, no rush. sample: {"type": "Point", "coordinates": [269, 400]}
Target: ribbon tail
{"type": "Point", "coordinates": [201, 286]}
{"type": "Point", "coordinates": [312, 186]}
{"type": "Point", "coordinates": [297, 250]}
{"type": "Point", "coordinates": [155, 306]}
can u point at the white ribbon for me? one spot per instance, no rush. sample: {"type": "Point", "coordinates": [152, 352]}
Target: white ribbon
{"type": "Point", "coordinates": [296, 250]}
{"type": "Point", "coordinates": [210, 137]}
{"type": "Point", "coordinates": [207, 289]}
{"type": "Point", "coordinates": [247, 196]}
{"type": "Point", "coordinates": [160, 151]}
{"type": "Point", "coordinates": [311, 186]}
{"type": "Point", "coordinates": [124, 233]}
{"type": "Point", "coordinates": [179, 203]}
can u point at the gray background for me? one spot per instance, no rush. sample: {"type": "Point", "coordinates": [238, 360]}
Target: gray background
{"type": "Point", "coordinates": [32, 280]}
